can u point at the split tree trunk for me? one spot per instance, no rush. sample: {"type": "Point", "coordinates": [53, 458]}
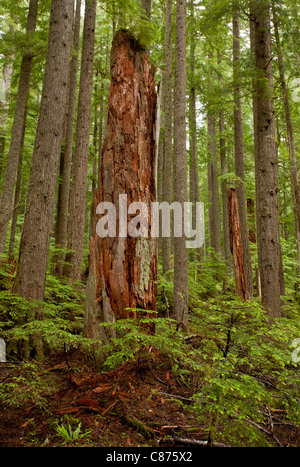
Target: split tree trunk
{"type": "Point", "coordinates": [266, 166]}
{"type": "Point", "coordinates": [7, 197]}
{"type": "Point", "coordinates": [239, 156]}
{"type": "Point", "coordinates": [236, 244]}
{"type": "Point", "coordinates": [123, 270]}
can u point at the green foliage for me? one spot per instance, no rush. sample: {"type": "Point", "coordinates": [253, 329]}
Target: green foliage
{"type": "Point", "coordinates": [27, 386]}
{"type": "Point", "coordinates": [70, 435]}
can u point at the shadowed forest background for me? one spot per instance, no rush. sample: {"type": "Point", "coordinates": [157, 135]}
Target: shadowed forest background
{"type": "Point", "coordinates": [124, 341]}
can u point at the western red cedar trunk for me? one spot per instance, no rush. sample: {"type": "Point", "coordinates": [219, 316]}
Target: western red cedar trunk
{"type": "Point", "coordinates": [239, 155]}
{"type": "Point", "coordinates": [290, 134]}
{"type": "Point", "coordinates": [77, 212]}
{"type": "Point", "coordinates": [123, 270]}
{"type": "Point", "coordinates": [38, 222]}
{"type": "Point", "coordinates": [266, 167]}
{"type": "Point", "coordinates": [168, 143]}
{"type": "Point", "coordinates": [180, 166]}
{"type": "Point", "coordinates": [236, 244]}
{"type": "Point", "coordinates": [7, 197]}
{"type": "Point", "coordinates": [64, 193]}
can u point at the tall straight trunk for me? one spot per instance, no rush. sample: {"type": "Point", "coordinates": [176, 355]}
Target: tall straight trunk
{"type": "Point", "coordinates": [266, 167]}
{"type": "Point", "coordinates": [223, 161]}
{"type": "Point", "coordinates": [64, 192]}
{"type": "Point", "coordinates": [180, 166]}
{"type": "Point", "coordinates": [213, 187]}
{"type": "Point", "coordinates": [168, 149]}
{"type": "Point", "coordinates": [290, 134]}
{"type": "Point", "coordinates": [123, 266]}
{"type": "Point", "coordinates": [38, 222]}
{"type": "Point", "coordinates": [7, 197]}
{"type": "Point", "coordinates": [77, 217]}
{"type": "Point", "coordinates": [17, 198]}
{"type": "Point", "coordinates": [193, 165]}
{"type": "Point", "coordinates": [239, 156]}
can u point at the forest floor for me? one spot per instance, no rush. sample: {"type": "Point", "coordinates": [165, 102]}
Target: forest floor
{"type": "Point", "coordinates": [139, 404]}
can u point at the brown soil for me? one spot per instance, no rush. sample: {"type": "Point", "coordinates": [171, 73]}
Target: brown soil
{"type": "Point", "coordinates": [135, 405]}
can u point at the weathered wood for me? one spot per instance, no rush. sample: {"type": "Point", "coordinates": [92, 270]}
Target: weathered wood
{"type": "Point", "coordinates": [123, 271]}
{"type": "Point", "coordinates": [236, 244]}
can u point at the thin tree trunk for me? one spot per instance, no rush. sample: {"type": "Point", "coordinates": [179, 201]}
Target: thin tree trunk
{"type": "Point", "coordinates": [239, 157]}
{"type": "Point", "coordinates": [146, 5]}
{"type": "Point", "coordinates": [266, 167]}
{"type": "Point", "coordinates": [180, 166]}
{"type": "Point", "coordinates": [17, 198]}
{"type": "Point", "coordinates": [7, 197]}
{"type": "Point", "coordinates": [225, 217]}
{"type": "Point", "coordinates": [194, 175]}
{"type": "Point", "coordinates": [4, 107]}
{"type": "Point", "coordinates": [77, 217]}
{"type": "Point", "coordinates": [168, 149]}
{"type": "Point", "coordinates": [290, 134]}
{"type": "Point", "coordinates": [213, 188]}
{"type": "Point", "coordinates": [123, 266]}
{"type": "Point", "coordinates": [63, 200]}
{"type": "Point", "coordinates": [38, 221]}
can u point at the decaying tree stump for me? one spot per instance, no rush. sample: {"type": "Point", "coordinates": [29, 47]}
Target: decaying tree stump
{"type": "Point", "coordinates": [123, 271]}
{"type": "Point", "coordinates": [236, 244]}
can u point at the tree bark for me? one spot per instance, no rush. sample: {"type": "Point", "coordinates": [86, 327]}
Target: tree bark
{"type": "Point", "coordinates": [146, 5]}
{"type": "Point", "coordinates": [168, 149]}
{"type": "Point", "coordinates": [64, 193]}
{"type": "Point", "coordinates": [266, 167]}
{"type": "Point", "coordinates": [7, 197]}
{"type": "Point", "coordinates": [77, 217]}
{"type": "Point", "coordinates": [213, 188]}
{"type": "Point", "coordinates": [290, 134]}
{"type": "Point", "coordinates": [180, 166]}
{"type": "Point", "coordinates": [193, 165]}
{"type": "Point", "coordinates": [38, 221]}
{"type": "Point", "coordinates": [236, 245]}
{"type": "Point", "coordinates": [239, 157]}
{"type": "Point", "coordinates": [123, 268]}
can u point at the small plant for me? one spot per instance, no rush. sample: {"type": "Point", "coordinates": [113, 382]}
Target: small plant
{"type": "Point", "coordinates": [70, 435]}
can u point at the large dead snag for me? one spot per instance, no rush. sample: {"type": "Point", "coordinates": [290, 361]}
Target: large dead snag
{"type": "Point", "coordinates": [236, 244]}
{"type": "Point", "coordinates": [123, 269]}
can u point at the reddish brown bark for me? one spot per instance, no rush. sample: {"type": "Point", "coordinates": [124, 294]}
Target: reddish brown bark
{"type": "Point", "coordinates": [236, 244]}
{"type": "Point", "coordinates": [123, 270]}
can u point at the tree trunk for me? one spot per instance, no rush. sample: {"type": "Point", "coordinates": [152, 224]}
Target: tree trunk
{"type": "Point", "coordinates": [146, 5]}
{"type": "Point", "coordinates": [236, 245]}
{"type": "Point", "coordinates": [123, 267]}
{"type": "Point", "coordinates": [266, 167]}
{"type": "Point", "coordinates": [239, 157]}
{"type": "Point", "coordinates": [225, 217]}
{"type": "Point", "coordinates": [193, 165]}
{"type": "Point", "coordinates": [290, 134]}
{"type": "Point", "coordinates": [180, 166]}
{"type": "Point", "coordinates": [213, 188]}
{"type": "Point", "coordinates": [168, 149]}
{"type": "Point", "coordinates": [38, 221]}
{"type": "Point", "coordinates": [7, 197]}
{"type": "Point", "coordinates": [64, 194]}
{"type": "Point", "coordinates": [4, 107]}
{"type": "Point", "coordinates": [77, 217]}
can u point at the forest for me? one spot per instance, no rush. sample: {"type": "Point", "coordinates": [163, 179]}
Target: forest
{"type": "Point", "coordinates": [149, 223]}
